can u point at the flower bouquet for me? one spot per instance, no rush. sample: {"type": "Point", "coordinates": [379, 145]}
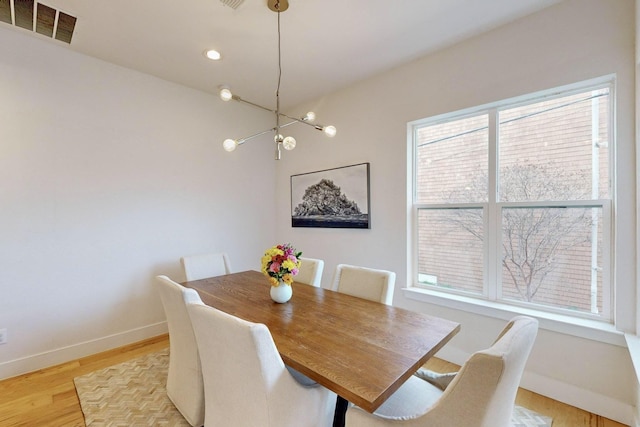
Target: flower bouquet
{"type": "Point", "coordinates": [280, 263]}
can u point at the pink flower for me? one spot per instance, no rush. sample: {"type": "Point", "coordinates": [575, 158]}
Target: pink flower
{"type": "Point", "coordinates": [274, 267]}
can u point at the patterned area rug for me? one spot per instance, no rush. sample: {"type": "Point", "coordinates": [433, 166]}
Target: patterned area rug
{"type": "Point", "coordinates": [523, 417]}
{"type": "Point", "coordinates": [134, 394]}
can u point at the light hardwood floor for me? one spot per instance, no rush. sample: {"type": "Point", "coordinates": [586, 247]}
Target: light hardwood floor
{"type": "Point", "coordinates": [47, 398]}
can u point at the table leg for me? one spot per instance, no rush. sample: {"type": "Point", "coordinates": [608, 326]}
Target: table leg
{"type": "Point", "coordinates": [341, 411]}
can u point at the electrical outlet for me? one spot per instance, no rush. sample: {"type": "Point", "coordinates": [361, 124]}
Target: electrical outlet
{"type": "Point", "coordinates": [3, 336]}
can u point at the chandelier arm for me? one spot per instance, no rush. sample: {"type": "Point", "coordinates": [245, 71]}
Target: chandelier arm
{"type": "Point", "coordinates": [255, 135]}
{"type": "Point", "coordinates": [297, 120]}
{"type": "Point", "coordinates": [303, 121]}
{"type": "Point", "coordinates": [317, 126]}
{"type": "Point", "coordinates": [237, 98]}
{"type": "Point", "coordinates": [287, 124]}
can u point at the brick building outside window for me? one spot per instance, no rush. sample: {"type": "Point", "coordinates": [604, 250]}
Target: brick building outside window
{"type": "Point", "coordinates": [512, 202]}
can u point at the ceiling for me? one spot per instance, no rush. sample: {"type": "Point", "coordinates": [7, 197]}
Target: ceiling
{"type": "Point", "coordinates": [326, 44]}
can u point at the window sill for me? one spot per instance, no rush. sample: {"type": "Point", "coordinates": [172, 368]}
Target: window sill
{"type": "Point", "coordinates": [583, 328]}
{"type": "Point", "coordinates": [633, 341]}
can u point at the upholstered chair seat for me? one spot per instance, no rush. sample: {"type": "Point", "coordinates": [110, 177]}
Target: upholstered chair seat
{"type": "Point", "coordinates": [481, 394]}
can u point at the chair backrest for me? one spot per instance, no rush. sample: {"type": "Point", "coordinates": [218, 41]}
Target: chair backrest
{"type": "Point", "coordinates": [368, 283]}
{"type": "Point", "coordinates": [310, 272]}
{"type": "Point", "coordinates": [481, 394]}
{"type": "Point", "coordinates": [246, 382]}
{"type": "Point", "coordinates": [198, 267]}
{"type": "Point", "coordinates": [184, 380]}
{"type": "Point", "coordinates": [489, 380]}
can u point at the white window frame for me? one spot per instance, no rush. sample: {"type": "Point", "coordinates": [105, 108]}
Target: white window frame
{"type": "Point", "coordinates": [490, 303]}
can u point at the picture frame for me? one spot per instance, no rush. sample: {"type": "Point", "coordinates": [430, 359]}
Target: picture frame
{"type": "Point", "coordinates": [332, 198]}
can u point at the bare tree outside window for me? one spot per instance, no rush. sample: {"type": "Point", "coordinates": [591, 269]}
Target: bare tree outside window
{"type": "Point", "coordinates": [534, 241]}
{"type": "Point", "coordinates": [529, 225]}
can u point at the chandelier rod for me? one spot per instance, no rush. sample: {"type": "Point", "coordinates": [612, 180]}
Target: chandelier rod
{"type": "Point", "coordinates": [277, 6]}
{"type": "Point", "coordinates": [289, 142]}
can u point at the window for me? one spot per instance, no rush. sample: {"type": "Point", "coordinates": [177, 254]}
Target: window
{"type": "Point", "coordinates": [512, 202]}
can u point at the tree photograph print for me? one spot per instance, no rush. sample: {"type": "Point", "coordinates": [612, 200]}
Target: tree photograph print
{"type": "Point", "coordinates": [332, 198]}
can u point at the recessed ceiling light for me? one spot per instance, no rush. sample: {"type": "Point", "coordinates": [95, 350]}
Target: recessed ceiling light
{"type": "Point", "coordinates": [213, 54]}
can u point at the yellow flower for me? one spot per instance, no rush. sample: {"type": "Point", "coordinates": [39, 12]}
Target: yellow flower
{"type": "Point", "coordinates": [275, 257]}
{"type": "Point", "coordinates": [274, 252]}
{"type": "Point", "coordinates": [288, 264]}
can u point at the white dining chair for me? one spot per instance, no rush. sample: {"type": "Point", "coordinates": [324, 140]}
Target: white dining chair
{"type": "Point", "coordinates": [310, 271]}
{"type": "Point", "coordinates": [481, 394]}
{"type": "Point", "coordinates": [363, 282]}
{"type": "Point", "coordinates": [246, 382]}
{"type": "Point", "coordinates": [185, 386]}
{"type": "Point", "coordinates": [201, 266]}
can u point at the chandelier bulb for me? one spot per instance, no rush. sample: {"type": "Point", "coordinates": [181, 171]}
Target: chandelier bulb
{"type": "Point", "coordinates": [309, 117]}
{"type": "Point", "coordinates": [278, 138]}
{"type": "Point", "coordinates": [289, 143]}
{"type": "Point", "coordinates": [225, 94]}
{"type": "Point", "coordinates": [330, 131]}
{"type": "Point", "coordinates": [230, 144]}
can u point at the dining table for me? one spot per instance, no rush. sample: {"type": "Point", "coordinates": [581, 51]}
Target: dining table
{"type": "Point", "coordinates": [360, 349]}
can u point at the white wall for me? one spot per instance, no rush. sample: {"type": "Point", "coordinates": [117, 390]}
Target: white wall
{"type": "Point", "coordinates": [570, 42]}
{"type": "Point", "coordinates": [107, 177]}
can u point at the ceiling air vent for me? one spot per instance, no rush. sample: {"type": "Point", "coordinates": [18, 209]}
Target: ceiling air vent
{"type": "Point", "coordinates": [42, 19]}
{"type": "Point", "coordinates": [234, 4]}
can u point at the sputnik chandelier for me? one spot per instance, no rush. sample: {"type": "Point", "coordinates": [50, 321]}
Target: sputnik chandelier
{"type": "Point", "coordinates": [289, 142]}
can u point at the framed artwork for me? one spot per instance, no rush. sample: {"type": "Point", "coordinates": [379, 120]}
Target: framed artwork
{"type": "Point", "coordinates": [332, 198]}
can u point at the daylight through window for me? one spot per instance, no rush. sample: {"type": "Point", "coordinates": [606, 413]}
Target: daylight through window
{"type": "Point", "coordinates": [512, 203]}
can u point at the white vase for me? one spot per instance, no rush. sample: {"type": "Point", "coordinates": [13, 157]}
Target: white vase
{"type": "Point", "coordinates": [281, 293]}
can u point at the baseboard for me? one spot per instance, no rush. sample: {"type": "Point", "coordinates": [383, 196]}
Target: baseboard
{"type": "Point", "coordinates": [580, 398]}
{"type": "Point", "coordinates": [34, 362]}
{"type": "Point", "coordinates": [633, 343]}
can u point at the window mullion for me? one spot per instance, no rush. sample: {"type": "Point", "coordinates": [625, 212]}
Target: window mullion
{"type": "Point", "coordinates": [412, 184]}
{"type": "Point", "coordinates": [607, 278]}
{"type": "Point", "coordinates": [491, 216]}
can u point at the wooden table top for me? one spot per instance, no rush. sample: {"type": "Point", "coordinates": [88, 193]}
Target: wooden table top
{"type": "Point", "coordinates": [360, 349]}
